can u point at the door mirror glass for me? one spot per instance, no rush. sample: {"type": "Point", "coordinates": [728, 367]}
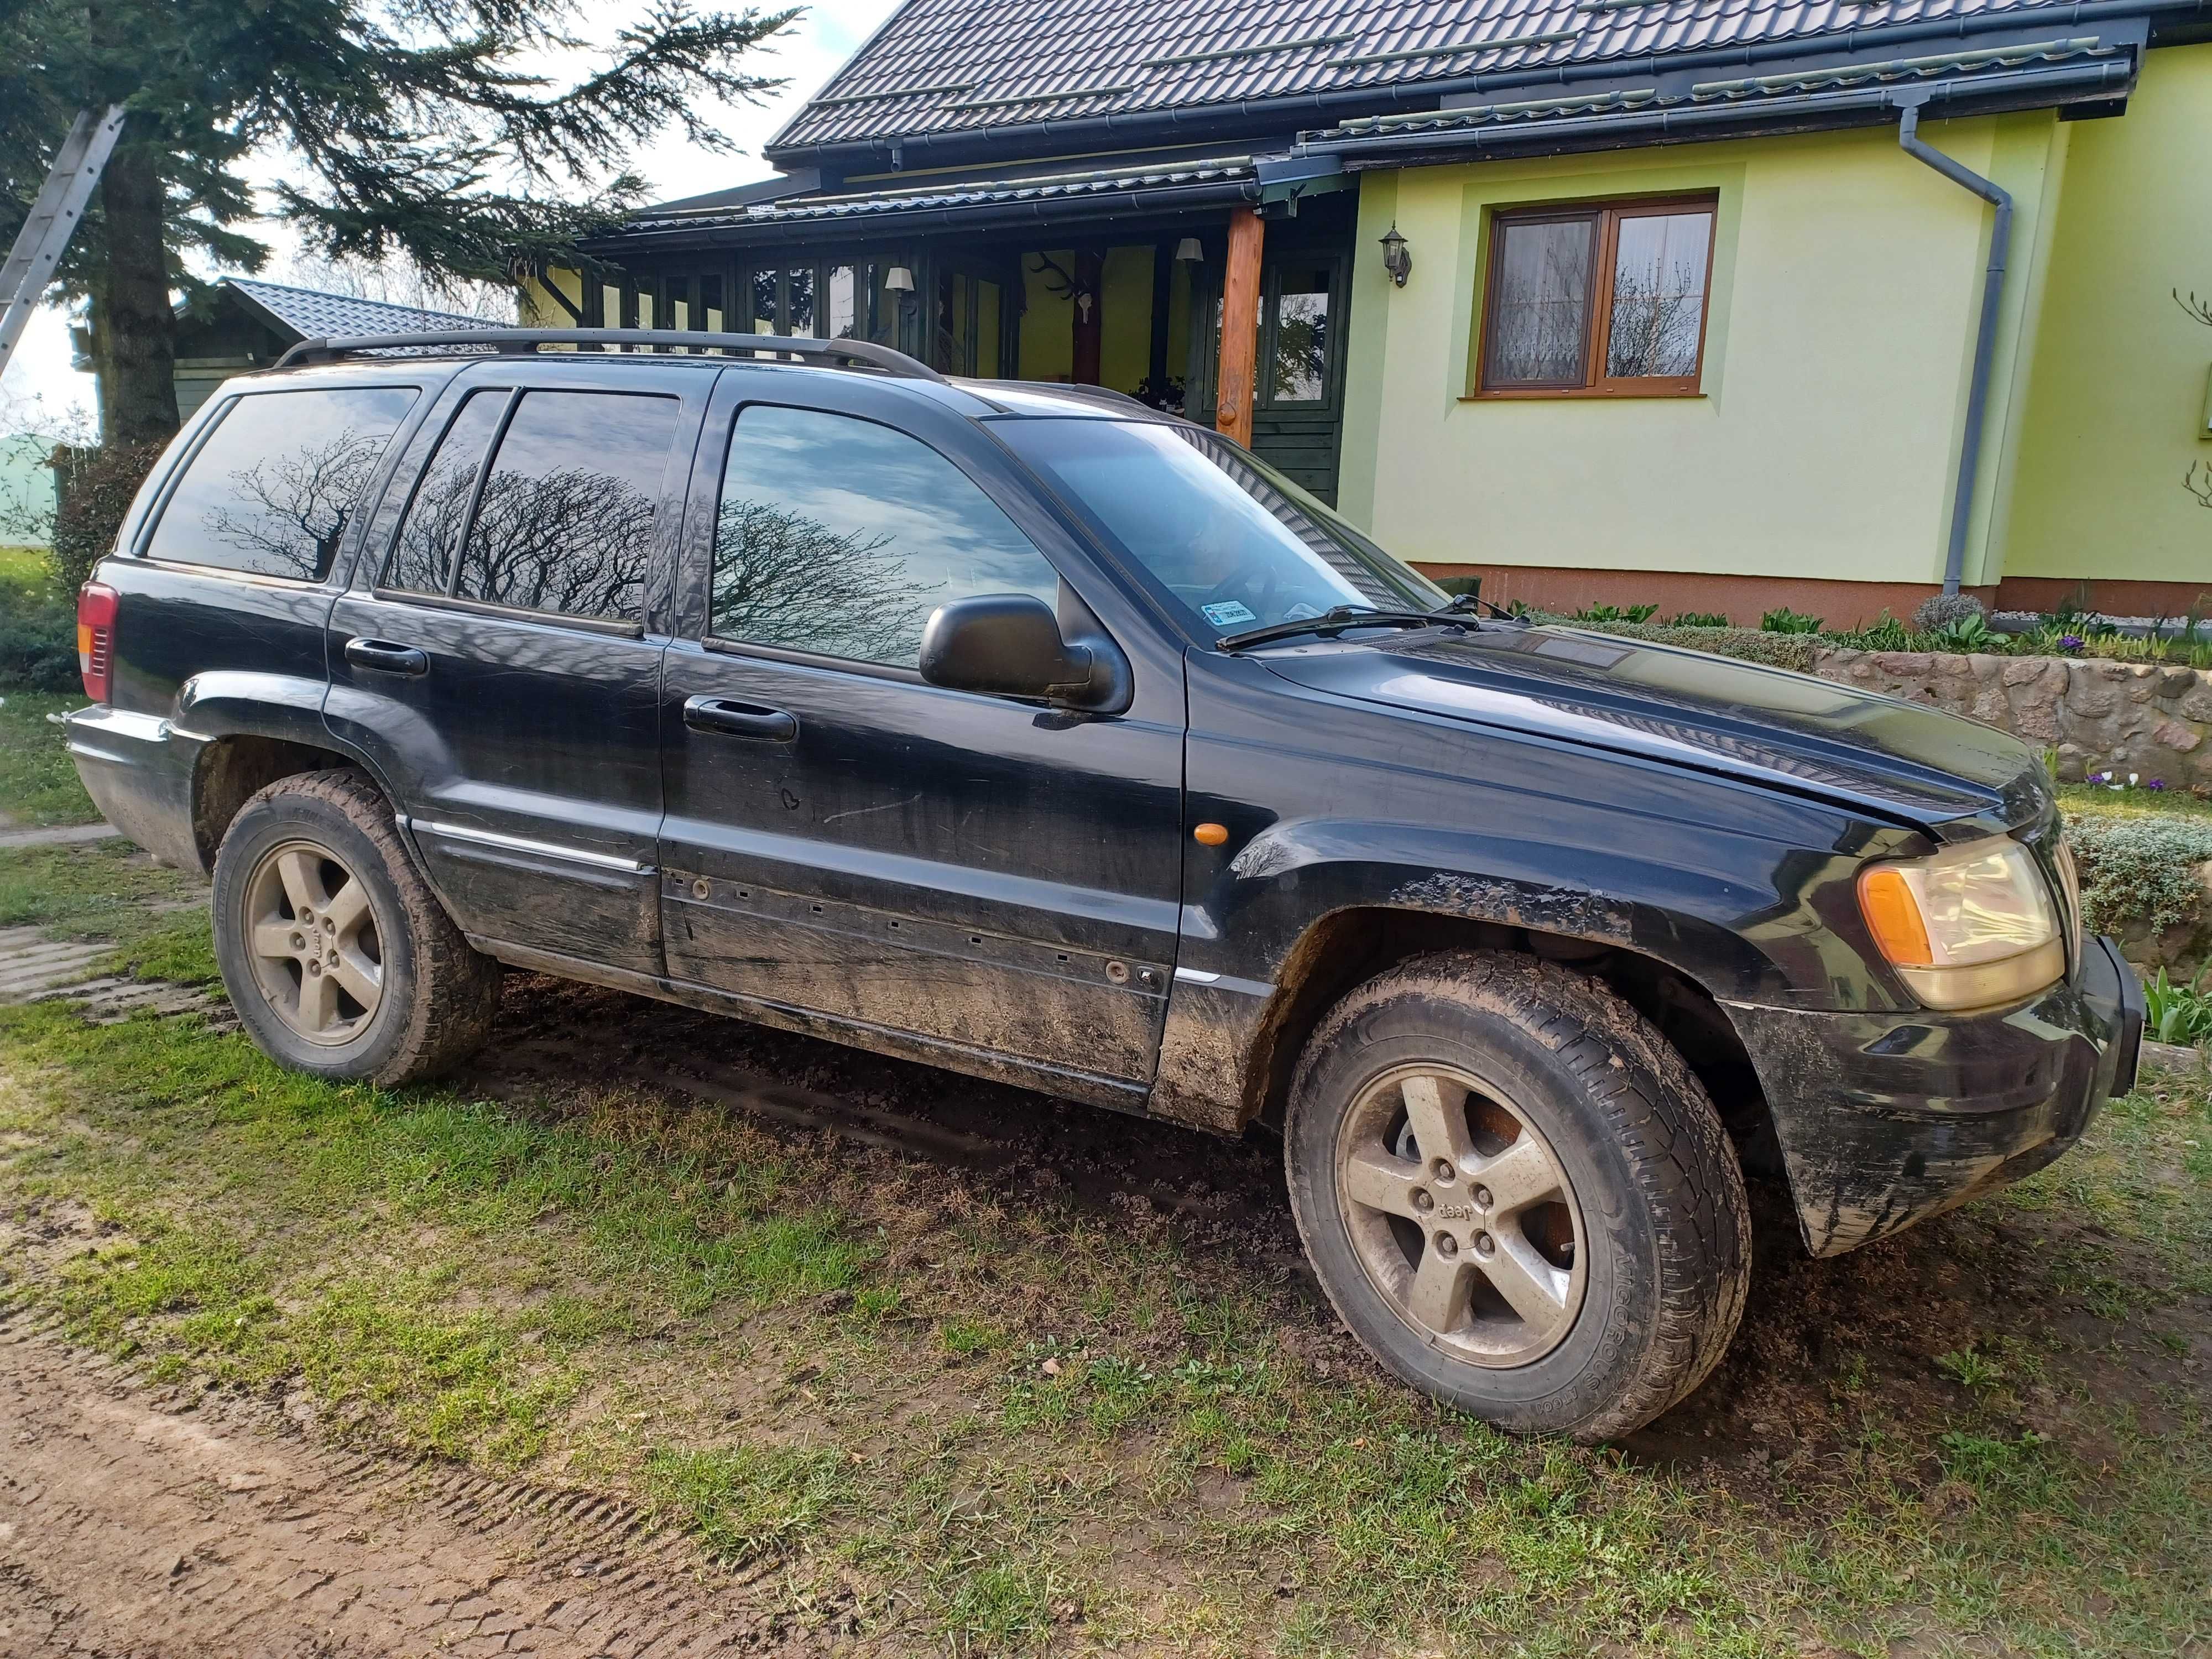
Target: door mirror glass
{"type": "Point", "coordinates": [1005, 645]}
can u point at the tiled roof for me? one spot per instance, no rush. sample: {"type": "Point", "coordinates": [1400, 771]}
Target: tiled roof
{"type": "Point", "coordinates": [1064, 187]}
{"type": "Point", "coordinates": [315, 315]}
{"type": "Point", "coordinates": [951, 66]}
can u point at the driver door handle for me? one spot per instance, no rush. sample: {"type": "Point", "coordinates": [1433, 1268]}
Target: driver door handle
{"type": "Point", "coordinates": [726, 717]}
{"type": "Point", "coordinates": [386, 656]}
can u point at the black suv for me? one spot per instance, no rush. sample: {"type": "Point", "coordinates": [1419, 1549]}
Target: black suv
{"type": "Point", "coordinates": [1023, 730]}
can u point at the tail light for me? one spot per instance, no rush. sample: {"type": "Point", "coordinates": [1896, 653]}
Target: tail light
{"type": "Point", "coordinates": [96, 605]}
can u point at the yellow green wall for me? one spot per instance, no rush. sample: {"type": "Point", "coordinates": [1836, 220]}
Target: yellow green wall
{"type": "Point", "coordinates": [2116, 407]}
{"type": "Point", "coordinates": [1125, 346]}
{"type": "Point", "coordinates": [1824, 442]}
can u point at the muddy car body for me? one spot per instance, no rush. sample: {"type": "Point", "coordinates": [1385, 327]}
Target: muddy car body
{"type": "Point", "coordinates": [1530, 940]}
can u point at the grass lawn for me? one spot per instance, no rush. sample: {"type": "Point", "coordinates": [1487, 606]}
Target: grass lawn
{"type": "Point", "coordinates": [38, 781]}
{"type": "Point", "coordinates": [1077, 1393]}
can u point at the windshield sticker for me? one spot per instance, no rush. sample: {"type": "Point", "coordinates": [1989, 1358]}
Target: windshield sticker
{"type": "Point", "coordinates": [1228, 611]}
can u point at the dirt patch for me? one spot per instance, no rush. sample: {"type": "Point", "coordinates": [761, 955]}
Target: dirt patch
{"type": "Point", "coordinates": [160, 1523]}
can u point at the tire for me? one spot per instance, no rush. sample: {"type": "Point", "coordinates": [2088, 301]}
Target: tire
{"type": "Point", "coordinates": [380, 985]}
{"type": "Point", "coordinates": [1580, 1260]}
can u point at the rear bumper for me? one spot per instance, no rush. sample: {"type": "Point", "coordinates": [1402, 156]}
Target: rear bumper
{"type": "Point", "coordinates": [139, 770]}
{"type": "Point", "coordinates": [1887, 1119]}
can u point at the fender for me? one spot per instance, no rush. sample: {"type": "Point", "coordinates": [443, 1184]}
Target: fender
{"type": "Point", "coordinates": [1284, 888]}
{"type": "Point", "coordinates": [284, 707]}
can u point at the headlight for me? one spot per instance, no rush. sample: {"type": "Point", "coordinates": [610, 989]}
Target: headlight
{"type": "Point", "coordinates": [1970, 928]}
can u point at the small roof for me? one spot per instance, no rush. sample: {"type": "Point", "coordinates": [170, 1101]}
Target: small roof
{"type": "Point", "coordinates": [309, 314]}
{"type": "Point", "coordinates": [940, 67]}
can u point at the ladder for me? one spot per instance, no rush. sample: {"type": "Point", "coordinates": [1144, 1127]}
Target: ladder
{"type": "Point", "coordinates": [53, 219]}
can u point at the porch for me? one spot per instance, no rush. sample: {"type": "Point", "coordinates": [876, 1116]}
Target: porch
{"type": "Point", "coordinates": [1114, 279]}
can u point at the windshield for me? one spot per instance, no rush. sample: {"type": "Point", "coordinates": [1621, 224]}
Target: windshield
{"type": "Point", "coordinates": [1232, 542]}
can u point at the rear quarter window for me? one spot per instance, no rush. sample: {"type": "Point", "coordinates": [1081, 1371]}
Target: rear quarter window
{"type": "Point", "coordinates": [273, 488]}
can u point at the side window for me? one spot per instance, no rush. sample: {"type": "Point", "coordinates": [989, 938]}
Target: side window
{"type": "Point", "coordinates": [565, 519]}
{"type": "Point", "coordinates": [839, 537]}
{"type": "Point", "coordinates": [274, 486]}
{"type": "Point", "coordinates": [422, 559]}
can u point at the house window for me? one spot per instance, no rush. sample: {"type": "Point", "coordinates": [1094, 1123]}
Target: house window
{"type": "Point", "coordinates": [1599, 301]}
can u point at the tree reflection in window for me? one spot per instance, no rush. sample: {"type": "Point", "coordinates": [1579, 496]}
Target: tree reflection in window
{"type": "Point", "coordinates": [274, 485]}
{"type": "Point", "coordinates": [838, 537]}
{"type": "Point", "coordinates": [423, 561]}
{"type": "Point", "coordinates": [566, 519]}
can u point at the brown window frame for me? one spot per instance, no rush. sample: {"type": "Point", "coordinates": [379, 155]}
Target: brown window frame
{"type": "Point", "coordinates": [1606, 218]}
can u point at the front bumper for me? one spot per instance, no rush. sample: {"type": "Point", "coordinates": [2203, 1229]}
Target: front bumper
{"type": "Point", "coordinates": [1887, 1119]}
{"type": "Point", "coordinates": [139, 770]}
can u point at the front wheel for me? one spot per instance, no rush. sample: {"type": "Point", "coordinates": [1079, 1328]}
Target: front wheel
{"type": "Point", "coordinates": [1517, 1195]}
{"type": "Point", "coordinates": [338, 956]}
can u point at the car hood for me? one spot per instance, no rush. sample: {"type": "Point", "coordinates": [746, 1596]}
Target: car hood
{"type": "Point", "coordinates": [1812, 736]}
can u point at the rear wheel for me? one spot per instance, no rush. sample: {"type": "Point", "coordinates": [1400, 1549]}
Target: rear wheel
{"type": "Point", "coordinates": [1517, 1194]}
{"type": "Point", "coordinates": [338, 956]}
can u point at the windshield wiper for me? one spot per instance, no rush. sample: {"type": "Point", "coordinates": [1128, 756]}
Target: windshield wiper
{"type": "Point", "coordinates": [1334, 621]}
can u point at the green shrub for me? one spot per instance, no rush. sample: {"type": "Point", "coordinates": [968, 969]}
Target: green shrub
{"type": "Point", "coordinates": [1942, 611]}
{"type": "Point", "coordinates": [1783, 620]}
{"type": "Point", "coordinates": [2140, 870]}
{"type": "Point", "coordinates": [1615, 613]}
{"type": "Point", "coordinates": [37, 647]}
{"type": "Point", "coordinates": [97, 487]}
{"type": "Point", "coordinates": [1700, 619]}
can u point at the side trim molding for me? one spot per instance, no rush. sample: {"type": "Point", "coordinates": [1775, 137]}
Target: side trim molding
{"type": "Point", "coordinates": [522, 844]}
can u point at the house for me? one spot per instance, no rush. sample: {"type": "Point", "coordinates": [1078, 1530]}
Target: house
{"type": "Point", "coordinates": [1718, 304]}
{"type": "Point", "coordinates": [249, 323]}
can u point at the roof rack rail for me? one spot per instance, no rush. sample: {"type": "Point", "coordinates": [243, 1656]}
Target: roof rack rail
{"type": "Point", "coordinates": [526, 342]}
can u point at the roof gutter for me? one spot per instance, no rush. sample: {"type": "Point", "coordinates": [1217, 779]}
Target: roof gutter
{"type": "Point", "coordinates": [862, 225]}
{"type": "Point", "coordinates": [1679, 124]}
{"type": "Point", "coordinates": [1985, 340]}
{"type": "Point", "coordinates": [1314, 109]}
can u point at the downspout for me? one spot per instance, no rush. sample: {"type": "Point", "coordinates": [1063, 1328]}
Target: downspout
{"type": "Point", "coordinates": [1986, 342]}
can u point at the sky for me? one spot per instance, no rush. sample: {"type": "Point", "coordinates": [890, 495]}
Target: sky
{"type": "Point", "coordinates": [39, 387]}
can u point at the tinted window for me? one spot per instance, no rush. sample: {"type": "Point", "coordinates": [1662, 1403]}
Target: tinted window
{"type": "Point", "coordinates": [1235, 543]}
{"type": "Point", "coordinates": [566, 520]}
{"type": "Point", "coordinates": [838, 536]}
{"type": "Point", "coordinates": [274, 485]}
{"type": "Point", "coordinates": [423, 561]}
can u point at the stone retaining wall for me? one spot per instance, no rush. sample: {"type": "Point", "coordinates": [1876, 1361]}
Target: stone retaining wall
{"type": "Point", "coordinates": [2099, 715]}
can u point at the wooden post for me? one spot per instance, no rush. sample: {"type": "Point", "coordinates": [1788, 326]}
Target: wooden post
{"type": "Point", "coordinates": [1090, 329]}
{"type": "Point", "coordinates": [1240, 324]}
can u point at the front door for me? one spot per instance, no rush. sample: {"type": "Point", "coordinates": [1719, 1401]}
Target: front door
{"type": "Point", "coordinates": [1298, 414]}
{"type": "Point", "coordinates": [992, 877]}
{"type": "Point", "coordinates": [498, 655]}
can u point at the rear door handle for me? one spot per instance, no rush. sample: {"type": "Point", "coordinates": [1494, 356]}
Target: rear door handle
{"type": "Point", "coordinates": [729, 719]}
{"type": "Point", "coordinates": [387, 658]}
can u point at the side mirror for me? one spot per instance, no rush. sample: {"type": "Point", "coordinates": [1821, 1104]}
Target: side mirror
{"type": "Point", "coordinates": [1009, 645]}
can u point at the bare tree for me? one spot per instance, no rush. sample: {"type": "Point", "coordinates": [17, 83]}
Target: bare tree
{"type": "Point", "coordinates": [297, 504]}
{"type": "Point", "coordinates": [573, 541]}
{"type": "Point", "coordinates": [400, 282]}
{"type": "Point", "coordinates": [1654, 326]}
{"type": "Point", "coordinates": [783, 578]}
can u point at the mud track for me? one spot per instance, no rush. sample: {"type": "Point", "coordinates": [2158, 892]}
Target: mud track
{"type": "Point", "coordinates": [172, 1525]}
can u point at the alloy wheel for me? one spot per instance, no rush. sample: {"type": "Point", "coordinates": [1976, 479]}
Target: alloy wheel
{"type": "Point", "coordinates": [311, 936]}
{"type": "Point", "coordinates": [1462, 1215]}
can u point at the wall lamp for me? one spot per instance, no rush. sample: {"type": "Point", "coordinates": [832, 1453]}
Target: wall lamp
{"type": "Point", "coordinates": [1397, 258]}
{"type": "Point", "coordinates": [899, 280]}
{"type": "Point", "coordinates": [1189, 252]}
